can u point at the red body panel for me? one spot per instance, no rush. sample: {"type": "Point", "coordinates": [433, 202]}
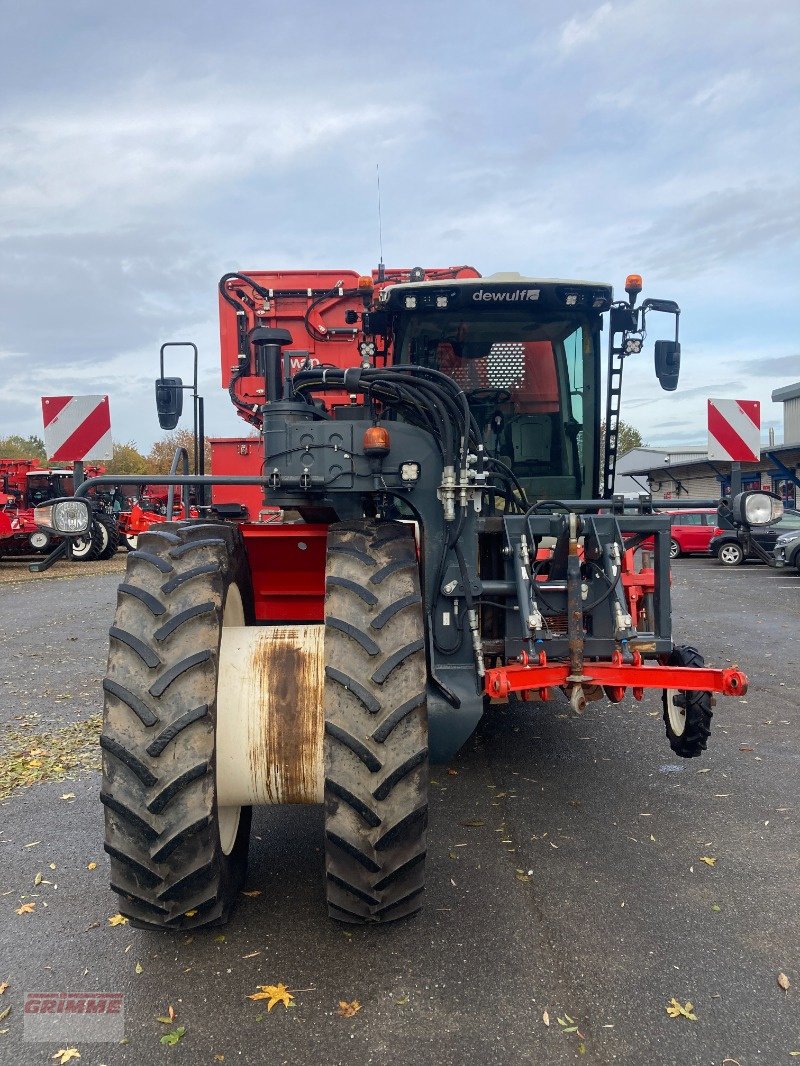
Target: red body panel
{"type": "Point", "coordinates": [237, 456]}
{"type": "Point", "coordinates": [287, 564]}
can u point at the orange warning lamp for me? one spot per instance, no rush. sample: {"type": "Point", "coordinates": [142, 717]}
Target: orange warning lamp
{"type": "Point", "coordinates": [376, 442]}
{"type": "Point", "coordinates": [633, 286]}
{"type": "Point", "coordinates": [365, 282]}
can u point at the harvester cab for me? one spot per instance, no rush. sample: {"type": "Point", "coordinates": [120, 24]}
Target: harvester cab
{"type": "Point", "coordinates": [431, 440]}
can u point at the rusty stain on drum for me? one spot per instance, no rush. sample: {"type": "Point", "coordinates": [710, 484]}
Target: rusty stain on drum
{"type": "Point", "coordinates": [287, 753]}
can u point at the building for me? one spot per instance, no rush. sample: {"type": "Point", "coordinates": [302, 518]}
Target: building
{"type": "Point", "coordinates": [673, 473]}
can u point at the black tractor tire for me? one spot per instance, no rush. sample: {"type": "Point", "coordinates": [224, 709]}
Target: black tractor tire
{"type": "Point", "coordinates": [674, 549]}
{"type": "Point", "coordinates": [111, 536]}
{"type": "Point", "coordinates": [731, 554]}
{"type": "Point", "coordinates": [87, 548]}
{"type": "Point", "coordinates": [376, 724]}
{"type": "Point", "coordinates": [164, 830]}
{"type": "Point", "coordinates": [687, 713]}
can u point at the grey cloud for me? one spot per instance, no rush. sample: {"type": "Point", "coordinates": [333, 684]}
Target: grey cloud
{"type": "Point", "coordinates": [777, 366]}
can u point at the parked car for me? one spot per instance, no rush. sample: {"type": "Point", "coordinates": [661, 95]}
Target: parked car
{"type": "Point", "coordinates": [727, 547]}
{"type": "Point", "coordinates": [691, 531]}
{"type": "Point", "coordinates": [787, 549]}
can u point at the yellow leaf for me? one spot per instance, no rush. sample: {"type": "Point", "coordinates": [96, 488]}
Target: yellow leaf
{"type": "Point", "coordinates": [170, 1016]}
{"type": "Point", "coordinates": [275, 994]}
{"type": "Point", "coordinates": [546, 1018]}
{"type": "Point", "coordinates": [190, 914]}
{"type": "Point", "coordinates": [26, 908]}
{"type": "Point", "coordinates": [709, 860]}
{"type": "Point", "coordinates": [347, 1010]}
{"type": "Point", "coordinates": [65, 1055]}
{"type": "Point", "coordinates": [3, 987]}
{"type": "Point", "coordinates": [138, 967]}
{"type": "Point", "coordinates": [783, 981]}
{"type": "Point", "coordinates": [117, 919]}
{"type": "Point", "coordinates": [253, 894]}
{"type": "Point", "coordinates": [675, 1010]}
{"type": "Point", "coordinates": [91, 866]}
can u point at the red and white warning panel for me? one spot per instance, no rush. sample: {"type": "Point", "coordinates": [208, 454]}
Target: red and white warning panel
{"type": "Point", "coordinates": [734, 430]}
{"type": "Point", "coordinates": [77, 428]}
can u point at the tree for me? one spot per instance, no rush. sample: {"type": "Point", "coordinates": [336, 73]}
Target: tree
{"type": "Point", "coordinates": [628, 438]}
{"type": "Point", "coordinates": [127, 460]}
{"type": "Point", "coordinates": [160, 456]}
{"type": "Point", "coordinates": [16, 447]}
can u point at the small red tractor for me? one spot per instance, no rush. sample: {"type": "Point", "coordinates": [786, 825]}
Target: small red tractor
{"type": "Point", "coordinates": [432, 441]}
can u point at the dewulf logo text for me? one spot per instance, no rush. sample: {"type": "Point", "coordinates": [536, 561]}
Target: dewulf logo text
{"type": "Point", "coordinates": [505, 296]}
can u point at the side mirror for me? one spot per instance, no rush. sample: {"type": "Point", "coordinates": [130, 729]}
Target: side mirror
{"type": "Point", "coordinates": [169, 401]}
{"type": "Point", "coordinates": [668, 364]}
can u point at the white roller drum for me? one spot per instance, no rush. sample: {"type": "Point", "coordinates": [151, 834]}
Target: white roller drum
{"type": "Point", "coordinates": [270, 719]}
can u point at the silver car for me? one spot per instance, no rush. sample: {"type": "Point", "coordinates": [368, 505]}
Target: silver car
{"type": "Point", "coordinates": [787, 549]}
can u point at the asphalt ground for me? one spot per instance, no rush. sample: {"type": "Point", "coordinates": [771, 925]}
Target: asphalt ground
{"type": "Point", "coordinates": [566, 876]}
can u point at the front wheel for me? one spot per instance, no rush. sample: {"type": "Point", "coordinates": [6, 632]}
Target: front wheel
{"type": "Point", "coordinates": [178, 859]}
{"type": "Point", "coordinates": [376, 724]}
{"type": "Point", "coordinates": [674, 549]}
{"type": "Point", "coordinates": [687, 713]}
{"type": "Point", "coordinates": [110, 535]}
{"type": "Point", "coordinates": [731, 554]}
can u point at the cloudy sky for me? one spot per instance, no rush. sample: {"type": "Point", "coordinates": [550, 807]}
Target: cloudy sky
{"type": "Point", "coordinates": [146, 148]}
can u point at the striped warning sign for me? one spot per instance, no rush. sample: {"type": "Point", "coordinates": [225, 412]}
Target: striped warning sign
{"type": "Point", "coordinates": [77, 428]}
{"type": "Point", "coordinates": [734, 430]}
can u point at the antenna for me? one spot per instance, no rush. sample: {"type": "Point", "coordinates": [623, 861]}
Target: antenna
{"type": "Point", "coordinates": [381, 267]}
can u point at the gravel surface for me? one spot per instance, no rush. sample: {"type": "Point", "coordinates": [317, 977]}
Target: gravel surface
{"type": "Point", "coordinates": [565, 876]}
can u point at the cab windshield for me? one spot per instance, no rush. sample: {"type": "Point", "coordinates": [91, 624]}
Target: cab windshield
{"type": "Point", "coordinates": [531, 387]}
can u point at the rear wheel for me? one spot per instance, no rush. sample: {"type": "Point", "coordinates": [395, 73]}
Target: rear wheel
{"type": "Point", "coordinates": [110, 535]}
{"type": "Point", "coordinates": [131, 541]}
{"type": "Point", "coordinates": [178, 860]}
{"type": "Point", "coordinates": [687, 713]}
{"type": "Point", "coordinates": [731, 554]}
{"type": "Point", "coordinates": [674, 549]}
{"type": "Point", "coordinates": [87, 547]}
{"type": "Point", "coordinates": [376, 726]}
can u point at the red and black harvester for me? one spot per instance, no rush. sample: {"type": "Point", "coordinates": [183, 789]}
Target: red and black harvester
{"type": "Point", "coordinates": [430, 441]}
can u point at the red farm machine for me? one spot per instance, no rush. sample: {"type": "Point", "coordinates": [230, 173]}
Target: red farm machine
{"type": "Point", "coordinates": [25, 485]}
{"type": "Point", "coordinates": [429, 441]}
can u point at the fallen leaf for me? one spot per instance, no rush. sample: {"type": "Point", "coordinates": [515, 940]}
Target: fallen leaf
{"type": "Point", "coordinates": [26, 908]}
{"type": "Point", "coordinates": [174, 1036]}
{"type": "Point", "coordinates": [546, 1018]}
{"type": "Point", "coordinates": [219, 939]}
{"type": "Point", "coordinates": [275, 994]}
{"type": "Point", "coordinates": [91, 866]}
{"type": "Point", "coordinates": [253, 894]}
{"type": "Point", "coordinates": [716, 907]}
{"type": "Point", "coordinates": [783, 981]}
{"type": "Point", "coordinates": [38, 879]}
{"type": "Point", "coordinates": [190, 914]}
{"type": "Point", "coordinates": [709, 860]}
{"type": "Point", "coordinates": [472, 823]}
{"type": "Point", "coordinates": [117, 919]}
{"type": "Point", "coordinates": [33, 844]}
{"type": "Point", "coordinates": [5, 1013]}
{"type": "Point", "coordinates": [138, 968]}
{"type": "Point", "coordinates": [169, 1017]}
{"type": "Point", "coordinates": [219, 1058]}
{"type": "Point", "coordinates": [252, 955]}
{"type": "Point", "coordinates": [347, 1010]}
{"type": "Point", "coordinates": [66, 1054]}
{"type": "Point", "coordinates": [3, 987]}
{"type": "Point", "coordinates": [403, 1001]}
{"type": "Point", "coordinates": [68, 796]}
{"type": "Point", "coordinates": [675, 1010]}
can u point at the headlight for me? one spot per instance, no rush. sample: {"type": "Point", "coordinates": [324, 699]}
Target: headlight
{"type": "Point", "coordinates": [757, 508]}
{"type": "Point", "coordinates": [70, 517]}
